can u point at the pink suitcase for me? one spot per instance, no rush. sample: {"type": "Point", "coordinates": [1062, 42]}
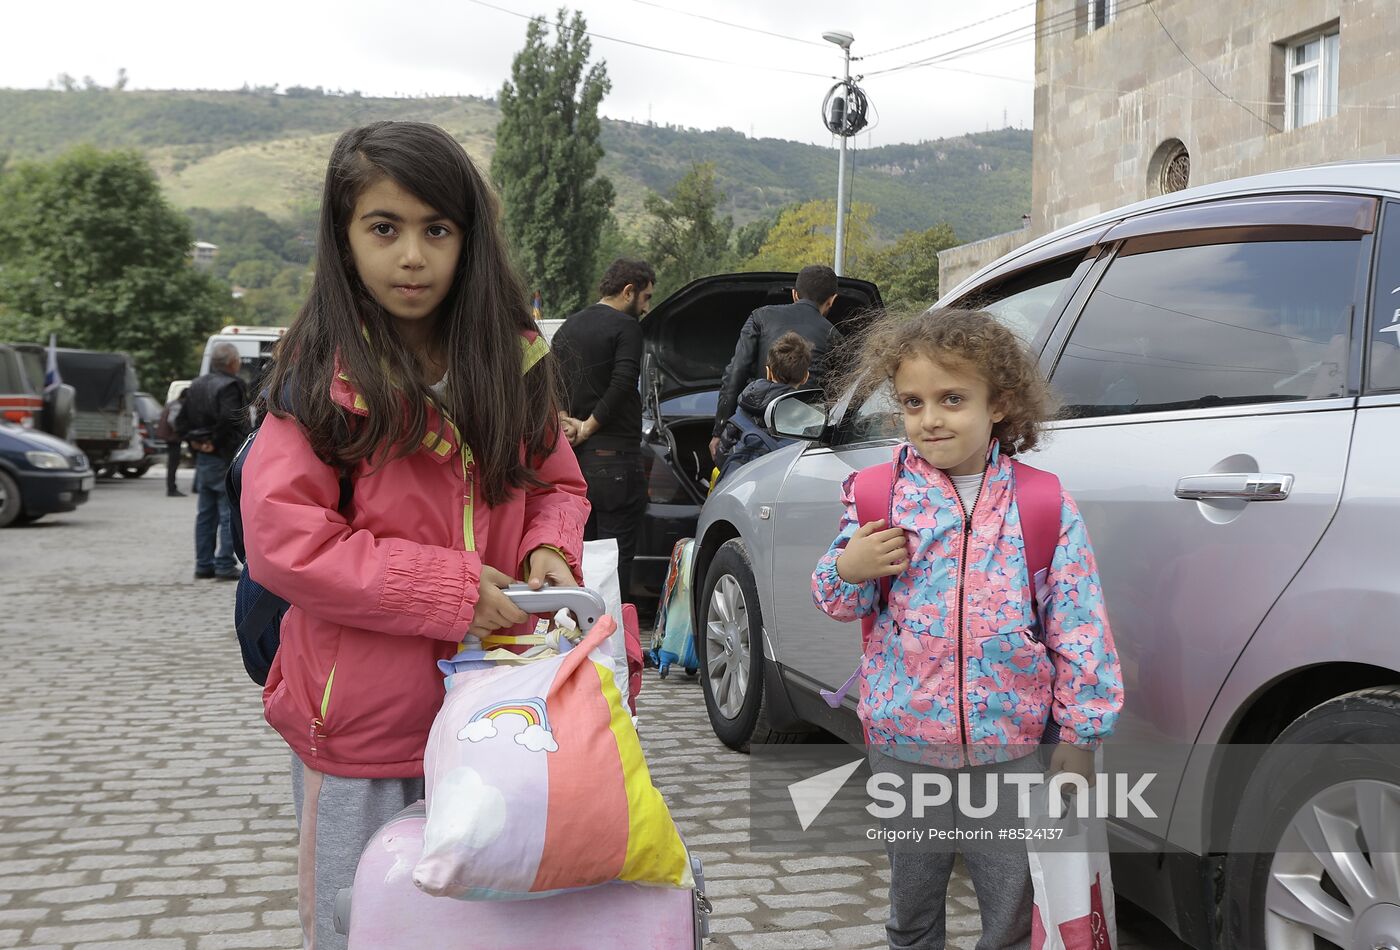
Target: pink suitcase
{"type": "Point", "coordinates": [386, 911]}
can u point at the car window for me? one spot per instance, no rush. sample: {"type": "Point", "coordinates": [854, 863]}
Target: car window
{"type": "Point", "coordinates": [875, 419]}
{"type": "Point", "coordinates": [12, 378]}
{"type": "Point", "coordinates": [1214, 325]}
{"type": "Point", "coordinates": [1384, 370]}
{"type": "Point", "coordinates": [1025, 302]}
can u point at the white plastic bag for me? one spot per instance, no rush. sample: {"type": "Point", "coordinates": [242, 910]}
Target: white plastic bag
{"type": "Point", "coordinates": [600, 573]}
{"type": "Point", "coordinates": [1074, 907]}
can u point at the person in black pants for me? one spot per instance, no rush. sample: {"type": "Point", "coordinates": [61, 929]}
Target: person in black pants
{"type": "Point", "coordinates": [600, 353]}
{"type": "Point", "coordinates": [166, 431]}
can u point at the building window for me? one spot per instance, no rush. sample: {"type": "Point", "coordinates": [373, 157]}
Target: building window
{"type": "Point", "coordinates": [1099, 13]}
{"type": "Point", "coordinates": [1310, 86]}
{"type": "Point", "coordinates": [1169, 169]}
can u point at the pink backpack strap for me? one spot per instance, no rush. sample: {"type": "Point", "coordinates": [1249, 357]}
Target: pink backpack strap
{"type": "Point", "coordinates": [1038, 498]}
{"type": "Point", "coordinates": [873, 489]}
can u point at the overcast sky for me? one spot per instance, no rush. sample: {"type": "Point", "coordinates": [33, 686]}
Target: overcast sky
{"type": "Point", "coordinates": [451, 47]}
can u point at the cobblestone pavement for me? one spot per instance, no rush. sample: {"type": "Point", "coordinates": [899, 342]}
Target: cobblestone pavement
{"type": "Point", "coordinates": [144, 804]}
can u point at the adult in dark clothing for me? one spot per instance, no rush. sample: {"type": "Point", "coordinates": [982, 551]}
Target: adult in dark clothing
{"type": "Point", "coordinates": [812, 299]}
{"type": "Point", "coordinates": [600, 353]}
{"type": "Point", "coordinates": [743, 437]}
{"type": "Point", "coordinates": [215, 422]}
{"type": "Point", "coordinates": [167, 432]}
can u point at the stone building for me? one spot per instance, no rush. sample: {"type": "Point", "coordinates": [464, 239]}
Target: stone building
{"type": "Point", "coordinates": [1136, 98]}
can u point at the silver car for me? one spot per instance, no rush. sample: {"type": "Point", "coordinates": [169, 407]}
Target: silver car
{"type": "Point", "coordinates": [1228, 361]}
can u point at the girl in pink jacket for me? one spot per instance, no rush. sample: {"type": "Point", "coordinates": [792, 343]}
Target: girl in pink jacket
{"type": "Point", "coordinates": [415, 368]}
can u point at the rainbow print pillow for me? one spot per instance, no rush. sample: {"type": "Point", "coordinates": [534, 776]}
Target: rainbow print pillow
{"type": "Point", "coordinates": [537, 785]}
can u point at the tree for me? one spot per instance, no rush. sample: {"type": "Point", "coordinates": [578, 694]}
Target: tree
{"type": "Point", "coordinates": [749, 238]}
{"type": "Point", "coordinates": [806, 235]}
{"type": "Point", "coordinates": [907, 270]}
{"type": "Point", "coordinates": [686, 237]}
{"type": "Point", "coordinates": [90, 250]}
{"type": "Point", "coordinates": [546, 161]}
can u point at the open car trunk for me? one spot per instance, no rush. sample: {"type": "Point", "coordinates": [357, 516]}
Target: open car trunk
{"type": "Point", "coordinates": [690, 338]}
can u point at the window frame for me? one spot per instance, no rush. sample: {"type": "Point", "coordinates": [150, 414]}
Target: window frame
{"type": "Point", "coordinates": [1099, 14]}
{"type": "Point", "coordinates": [1142, 234]}
{"type": "Point", "coordinates": [1326, 69]}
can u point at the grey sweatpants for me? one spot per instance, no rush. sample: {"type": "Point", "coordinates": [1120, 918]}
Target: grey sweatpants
{"type": "Point", "coordinates": [919, 874]}
{"type": "Point", "coordinates": [335, 819]}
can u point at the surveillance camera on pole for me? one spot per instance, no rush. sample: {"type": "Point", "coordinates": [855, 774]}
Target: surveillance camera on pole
{"type": "Point", "coordinates": [841, 119]}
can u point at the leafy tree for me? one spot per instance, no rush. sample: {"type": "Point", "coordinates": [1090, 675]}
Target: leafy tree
{"type": "Point", "coordinates": [806, 235]}
{"type": "Point", "coordinates": [686, 237]}
{"type": "Point", "coordinates": [907, 270]}
{"type": "Point", "coordinates": [90, 250]}
{"type": "Point", "coordinates": [546, 161]}
{"type": "Point", "coordinates": [749, 238]}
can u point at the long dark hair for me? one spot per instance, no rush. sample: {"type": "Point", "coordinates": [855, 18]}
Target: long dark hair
{"type": "Point", "coordinates": [497, 408]}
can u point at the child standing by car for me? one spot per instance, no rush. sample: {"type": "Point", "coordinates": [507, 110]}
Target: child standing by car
{"type": "Point", "coordinates": [743, 437]}
{"type": "Point", "coordinates": [958, 658]}
{"type": "Point", "coordinates": [415, 368]}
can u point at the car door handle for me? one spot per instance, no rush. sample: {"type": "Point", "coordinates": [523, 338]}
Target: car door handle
{"type": "Point", "coordinates": [1241, 486]}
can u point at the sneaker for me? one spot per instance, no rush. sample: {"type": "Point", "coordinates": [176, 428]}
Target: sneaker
{"type": "Point", "coordinates": [174, 493]}
{"type": "Point", "coordinates": [202, 575]}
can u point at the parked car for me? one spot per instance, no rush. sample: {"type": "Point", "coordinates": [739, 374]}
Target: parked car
{"type": "Point", "coordinates": [39, 475]}
{"type": "Point", "coordinates": [689, 338]}
{"type": "Point", "coordinates": [255, 346]}
{"type": "Point", "coordinates": [1228, 362]}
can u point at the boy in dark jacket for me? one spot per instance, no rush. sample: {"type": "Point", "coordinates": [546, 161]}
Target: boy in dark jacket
{"type": "Point", "coordinates": [743, 437]}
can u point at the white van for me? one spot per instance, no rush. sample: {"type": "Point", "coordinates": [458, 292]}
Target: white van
{"type": "Point", "coordinates": [254, 348]}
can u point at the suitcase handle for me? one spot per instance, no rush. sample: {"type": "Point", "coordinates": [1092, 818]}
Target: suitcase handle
{"type": "Point", "coordinates": [586, 604]}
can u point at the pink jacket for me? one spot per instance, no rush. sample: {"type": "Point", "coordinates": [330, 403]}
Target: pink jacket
{"type": "Point", "coordinates": [379, 597]}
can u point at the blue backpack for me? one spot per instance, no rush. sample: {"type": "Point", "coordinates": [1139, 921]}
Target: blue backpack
{"type": "Point", "coordinates": [753, 441]}
{"type": "Point", "coordinates": [257, 611]}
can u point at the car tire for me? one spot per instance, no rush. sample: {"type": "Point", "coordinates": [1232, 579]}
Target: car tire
{"type": "Point", "coordinates": [135, 471]}
{"type": "Point", "coordinates": [1285, 898]}
{"type": "Point", "coordinates": [11, 504]}
{"type": "Point", "coordinates": [729, 647]}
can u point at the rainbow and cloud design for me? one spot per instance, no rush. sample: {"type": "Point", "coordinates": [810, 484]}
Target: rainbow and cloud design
{"type": "Point", "coordinates": [472, 811]}
{"type": "Point", "coordinates": [536, 736]}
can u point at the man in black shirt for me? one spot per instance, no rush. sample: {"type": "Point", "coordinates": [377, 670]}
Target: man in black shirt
{"type": "Point", "coordinates": [600, 351]}
{"type": "Point", "coordinates": [812, 299]}
{"type": "Point", "coordinates": [215, 422]}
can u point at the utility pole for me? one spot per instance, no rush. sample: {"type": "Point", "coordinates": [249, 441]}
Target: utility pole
{"type": "Point", "coordinates": [837, 121]}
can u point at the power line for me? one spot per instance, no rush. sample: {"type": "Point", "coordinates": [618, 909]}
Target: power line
{"type": "Point", "coordinates": [737, 26]}
{"type": "Point", "coordinates": [936, 36]}
{"type": "Point", "coordinates": [1203, 72]}
{"type": "Point", "coordinates": [658, 49]}
{"type": "Point", "coordinates": [1052, 26]}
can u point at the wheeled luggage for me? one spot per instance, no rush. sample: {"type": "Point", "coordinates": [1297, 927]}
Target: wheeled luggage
{"type": "Point", "coordinates": [386, 911]}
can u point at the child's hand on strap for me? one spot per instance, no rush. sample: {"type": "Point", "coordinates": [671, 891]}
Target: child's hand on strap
{"type": "Point", "coordinates": [873, 553]}
{"type": "Point", "coordinates": [494, 610]}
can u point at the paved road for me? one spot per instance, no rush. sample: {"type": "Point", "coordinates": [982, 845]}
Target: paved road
{"type": "Point", "coordinates": [144, 804]}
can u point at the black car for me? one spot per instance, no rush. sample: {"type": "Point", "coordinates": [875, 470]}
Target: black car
{"type": "Point", "coordinates": [39, 475]}
{"type": "Point", "coordinates": [689, 339]}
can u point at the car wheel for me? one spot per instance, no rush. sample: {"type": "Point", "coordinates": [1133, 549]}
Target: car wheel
{"type": "Point", "coordinates": [11, 505]}
{"type": "Point", "coordinates": [729, 647]}
{"type": "Point", "coordinates": [135, 471]}
{"type": "Point", "coordinates": [1333, 877]}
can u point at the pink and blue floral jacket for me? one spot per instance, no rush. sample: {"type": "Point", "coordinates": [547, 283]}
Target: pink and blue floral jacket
{"type": "Point", "coordinates": [958, 657]}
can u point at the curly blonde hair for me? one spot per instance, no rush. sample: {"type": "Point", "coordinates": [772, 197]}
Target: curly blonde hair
{"type": "Point", "coordinates": [971, 339]}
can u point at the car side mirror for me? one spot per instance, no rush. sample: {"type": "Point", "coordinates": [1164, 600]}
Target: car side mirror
{"type": "Point", "coordinates": [797, 415]}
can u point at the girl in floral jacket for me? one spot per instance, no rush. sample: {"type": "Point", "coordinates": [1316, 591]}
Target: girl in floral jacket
{"type": "Point", "coordinates": [959, 658]}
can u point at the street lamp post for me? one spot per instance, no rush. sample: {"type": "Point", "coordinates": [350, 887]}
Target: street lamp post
{"type": "Point", "coordinates": [838, 120]}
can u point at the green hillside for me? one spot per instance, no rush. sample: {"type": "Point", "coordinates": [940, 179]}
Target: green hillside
{"type": "Point", "coordinates": [268, 151]}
